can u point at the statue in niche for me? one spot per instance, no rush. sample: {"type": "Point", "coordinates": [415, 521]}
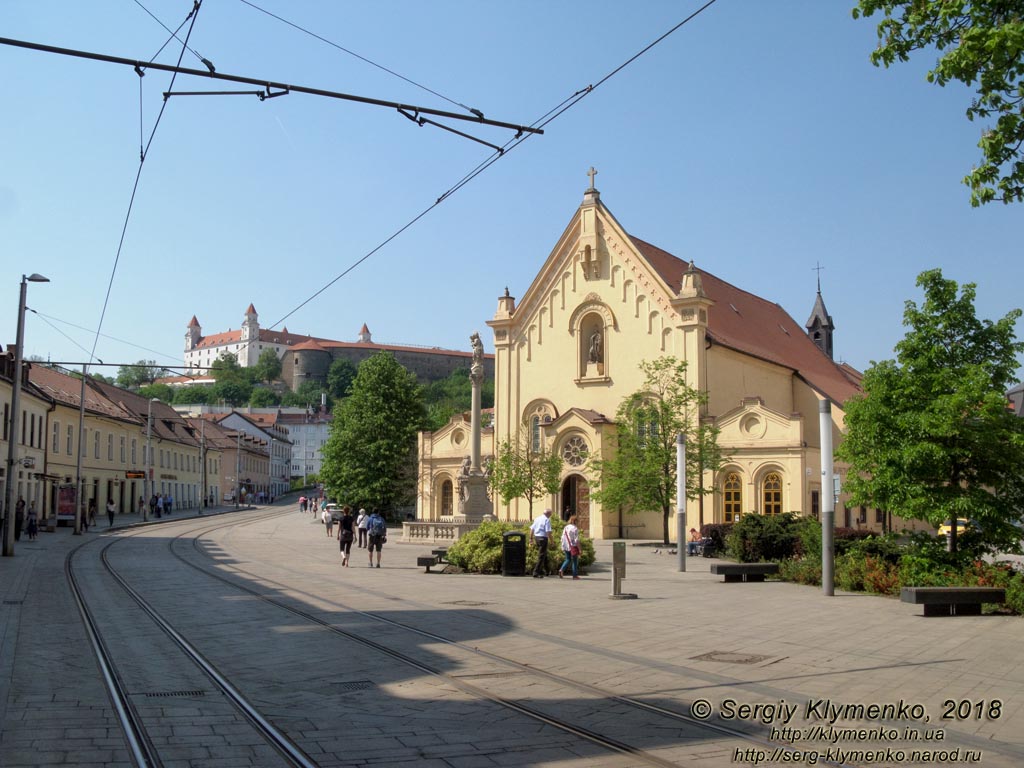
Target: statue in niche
{"type": "Point", "coordinates": [596, 352]}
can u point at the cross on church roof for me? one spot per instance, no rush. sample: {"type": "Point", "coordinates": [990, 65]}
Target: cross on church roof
{"type": "Point", "coordinates": [591, 173]}
{"type": "Point", "coordinates": [818, 269]}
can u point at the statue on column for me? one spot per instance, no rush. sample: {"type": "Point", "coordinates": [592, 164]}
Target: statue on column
{"type": "Point", "coordinates": [476, 368]}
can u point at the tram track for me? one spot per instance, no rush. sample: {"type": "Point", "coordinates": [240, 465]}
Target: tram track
{"type": "Point", "coordinates": [533, 712]}
{"type": "Point", "coordinates": [137, 727]}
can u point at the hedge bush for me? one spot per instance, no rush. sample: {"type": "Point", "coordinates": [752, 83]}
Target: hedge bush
{"type": "Point", "coordinates": [757, 538]}
{"type": "Point", "coordinates": [479, 551]}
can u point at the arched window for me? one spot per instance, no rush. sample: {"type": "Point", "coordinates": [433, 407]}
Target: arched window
{"type": "Point", "coordinates": [772, 491]}
{"type": "Point", "coordinates": [733, 497]}
{"type": "Point", "coordinates": [575, 451]}
{"type": "Point", "coordinates": [446, 497]}
{"type": "Point", "coordinates": [535, 433]}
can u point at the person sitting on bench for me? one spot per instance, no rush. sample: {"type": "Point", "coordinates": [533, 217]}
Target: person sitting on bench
{"type": "Point", "coordinates": [693, 544]}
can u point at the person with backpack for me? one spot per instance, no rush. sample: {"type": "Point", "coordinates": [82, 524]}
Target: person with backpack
{"type": "Point", "coordinates": [377, 530]}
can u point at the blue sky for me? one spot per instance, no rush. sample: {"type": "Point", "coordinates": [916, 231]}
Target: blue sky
{"type": "Point", "coordinates": [758, 140]}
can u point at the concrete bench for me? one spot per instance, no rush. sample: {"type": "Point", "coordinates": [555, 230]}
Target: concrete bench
{"type": "Point", "coordinates": [439, 553]}
{"type": "Point", "coordinates": [952, 601]}
{"type": "Point", "coordinates": [744, 571]}
{"type": "Point", "coordinates": [428, 561]}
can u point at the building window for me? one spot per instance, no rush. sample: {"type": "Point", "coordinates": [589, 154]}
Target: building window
{"type": "Point", "coordinates": [772, 490]}
{"type": "Point", "coordinates": [446, 497]}
{"type": "Point", "coordinates": [816, 505]}
{"type": "Point", "coordinates": [733, 497]}
{"type": "Point", "coordinates": [85, 442]}
{"type": "Point", "coordinates": [122, 449]}
{"type": "Point", "coordinates": [535, 434]}
{"type": "Point", "coordinates": [879, 516]}
{"type": "Point", "coordinates": [71, 440]}
{"type": "Point", "coordinates": [575, 451]}
{"type": "Point", "coordinates": [134, 450]}
{"type": "Point", "coordinates": [56, 437]}
{"type": "Point", "coordinates": [96, 444]}
{"type": "Point", "coordinates": [110, 446]}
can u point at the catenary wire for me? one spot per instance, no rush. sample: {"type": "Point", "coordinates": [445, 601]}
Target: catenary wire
{"type": "Point", "coordinates": [193, 14]}
{"type": "Point", "coordinates": [550, 116]}
{"type": "Point", "coordinates": [174, 34]}
{"type": "Point", "coordinates": [104, 335]}
{"type": "Point", "coordinates": [361, 58]}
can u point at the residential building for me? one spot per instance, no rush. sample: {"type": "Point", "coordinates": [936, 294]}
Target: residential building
{"type": "Point", "coordinates": [32, 482]}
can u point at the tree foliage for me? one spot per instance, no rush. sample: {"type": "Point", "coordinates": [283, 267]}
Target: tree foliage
{"type": "Point", "coordinates": [262, 397]}
{"type": "Point", "coordinates": [932, 438]}
{"type": "Point", "coordinates": [641, 474]}
{"type": "Point", "coordinates": [981, 43]}
{"type": "Point", "coordinates": [142, 372]}
{"type": "Point", "coordinates": [268, 367]}
{"type": "Point", "coordinates": [522, 470]}
{"type": "Point", "coordinates": [370, 457]}
{"type": "Point", "coordinates": [453, 395]}
{"type": "Point", "coordinates": [340, 376]}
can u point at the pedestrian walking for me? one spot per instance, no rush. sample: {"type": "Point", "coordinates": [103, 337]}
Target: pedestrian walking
{"type": "Point", "coordinates": [32, 528]}
{"type": "Point", "coordinates": [302, 503]}
{"type": "Point", "coordinates": [328, 519]}
{"type": "Point", "coordinates": [142, 506]}
{"type": "Point", "coordinates": [160, 505]}
{"type": "Point", "coordinates": [377, 533]}
{"type": "Point", "coordinates": [168, 503]}
{"type": "Point", "coordinates": [361, 523]}
{"type": "Point", "coordinates": [345, 535]}
{"type": "Point", "coordinates": [85, 515]}
{"type": "Point", "coordinates": [19, 518]}
{"type": "Point", "coordinates": [90, 513]}
{"type": "Point", "coordinates": [541, 531]}
{"type": "Point", "coordinates": [111, 509]}
{"type": "Point", "coordinates": [571, 548]}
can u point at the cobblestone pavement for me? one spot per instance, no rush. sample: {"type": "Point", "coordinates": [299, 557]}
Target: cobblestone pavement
{"type": "Point", "coordinates": [815, 664]}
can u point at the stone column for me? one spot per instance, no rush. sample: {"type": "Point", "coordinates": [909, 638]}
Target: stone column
{"type": "Point", "coordinates": [474, 505]}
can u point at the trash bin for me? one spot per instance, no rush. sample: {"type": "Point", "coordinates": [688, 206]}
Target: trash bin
{"type": "Point", "coordinates": [513, 553]}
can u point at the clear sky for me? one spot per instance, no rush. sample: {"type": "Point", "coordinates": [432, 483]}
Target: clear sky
{"type": "Point", "coordinates": [757, 140]}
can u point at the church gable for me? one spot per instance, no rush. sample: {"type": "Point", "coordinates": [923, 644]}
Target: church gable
{"type": "Point", "coordinates": [753, 425]}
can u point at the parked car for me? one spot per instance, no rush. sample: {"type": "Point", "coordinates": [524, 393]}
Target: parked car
{"type": "Point", "coordinates": [335, 510]}
{"type": "Point", "coordinates": [962, 526]}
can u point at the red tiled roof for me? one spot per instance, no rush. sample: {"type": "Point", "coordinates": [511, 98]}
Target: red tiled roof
{"type": "Point", "coordinates": [251, 310]}
{"type": "Point", "coordinates": [193, 323]}
{"type": "Point", "coordinates": [67, 390]}
{"type": "Point", "coordinates": [747, 323]}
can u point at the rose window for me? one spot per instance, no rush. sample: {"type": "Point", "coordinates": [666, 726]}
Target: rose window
{"type": "Point", "coordinates": [575, 451]}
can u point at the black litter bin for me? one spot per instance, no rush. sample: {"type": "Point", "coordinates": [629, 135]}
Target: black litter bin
{"type": "Point", "coordinates": [513, 553]}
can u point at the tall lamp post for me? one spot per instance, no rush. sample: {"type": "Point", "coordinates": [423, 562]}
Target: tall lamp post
{"type": "Point", "coordinates": [149, 459]}
{"type": "Point", "coordinates": [12, 429]}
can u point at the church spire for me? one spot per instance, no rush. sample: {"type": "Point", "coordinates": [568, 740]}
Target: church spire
{"type": "Point", "coordinates": [819, 325]}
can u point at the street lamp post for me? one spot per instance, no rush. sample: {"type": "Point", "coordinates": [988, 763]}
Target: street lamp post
{"type": "Point", "coordinates": [238, 467]}
{"type": "Point", "coordinates": [149, 460]}
{"type": "Point", "coordinates": [12, 429]}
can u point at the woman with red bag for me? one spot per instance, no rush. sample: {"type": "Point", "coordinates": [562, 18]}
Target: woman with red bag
{"type": "Point", "coordinates": [571, 548]}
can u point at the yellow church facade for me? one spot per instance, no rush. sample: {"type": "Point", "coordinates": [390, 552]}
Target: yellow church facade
{"type": "Point", "coordinates": [570, 350]}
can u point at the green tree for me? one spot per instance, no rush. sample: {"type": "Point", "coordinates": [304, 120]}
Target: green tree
{"type": "Point", "coordinates": [159, 391]}
{"type": "Point", "coordinates": [307, 395]}
{"type": "Point", "coordinates": [370, 456]}
{"type": "Point", "coordinates": [142, 372]}
{"type": "Point", "coordinates": [641, 474]}
{"type": "Point", "coordinates": [523, 468]}
{"type": "Point", "coordinates": [268, 367]}
{"type": "Point", "coordinates": [340, 376]}
{"type": "Point", "coordinates": [453, 395]}
{"type": "Point", "coordinates": [194, 393]}
{"type": "Point", "coordinates": [234, 392]}
{"type": "Point", "coordinates": [262, 397]}
{"type": "Point", "coordinates": [981, 43]}
{"type": "Point", "coordinates": [931, 437]}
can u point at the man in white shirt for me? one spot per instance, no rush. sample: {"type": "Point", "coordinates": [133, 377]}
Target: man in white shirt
{"type": "Point", "coordinates": [541, 532]}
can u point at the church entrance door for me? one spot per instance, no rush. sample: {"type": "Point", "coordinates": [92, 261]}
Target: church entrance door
{"type": "Point", "coordinates": [576, 501]}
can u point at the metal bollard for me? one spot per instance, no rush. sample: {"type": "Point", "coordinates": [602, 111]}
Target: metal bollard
{"type": "Point", "coordinates": [619, 572]}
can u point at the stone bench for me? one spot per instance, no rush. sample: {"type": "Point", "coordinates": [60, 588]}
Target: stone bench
{"type": "Point", "coordinates": [734, 572]}
{"type": "Point", "coordinates": [952, 601]}
{"type": "Point", "coordinates": [439, 553]}
{"type": "Point", "coordinates": [428, 561]}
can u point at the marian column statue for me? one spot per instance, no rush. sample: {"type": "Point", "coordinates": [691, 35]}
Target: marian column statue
{"type": "Point", "coordinates": [473, 503]}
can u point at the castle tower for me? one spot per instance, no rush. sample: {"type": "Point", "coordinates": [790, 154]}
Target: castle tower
{"type": "Point", "coordinates": [193, 334]}
{"type": "Point", "coordinates": [364, 335]}
{"type": "Point", "coordinates": [249, 352]}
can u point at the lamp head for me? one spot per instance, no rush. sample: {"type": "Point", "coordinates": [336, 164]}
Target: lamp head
{"type": "Point", "coordinates": [35, 277]}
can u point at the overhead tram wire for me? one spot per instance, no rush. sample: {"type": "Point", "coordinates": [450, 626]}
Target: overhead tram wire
{"type": "Point", "coordinates": [550, 116]}
{"type": "Point", "coordinates": [174, 36]}
{"type": "Point", "coordinates": [193, 14]}
{"type": "Point", "coordinates": [104, 335]}
{"type": "Point", "coordinates": [476, 112]}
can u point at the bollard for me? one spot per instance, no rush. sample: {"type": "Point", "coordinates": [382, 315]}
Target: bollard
{"type": "Point", "coordinates": [619, 572]}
